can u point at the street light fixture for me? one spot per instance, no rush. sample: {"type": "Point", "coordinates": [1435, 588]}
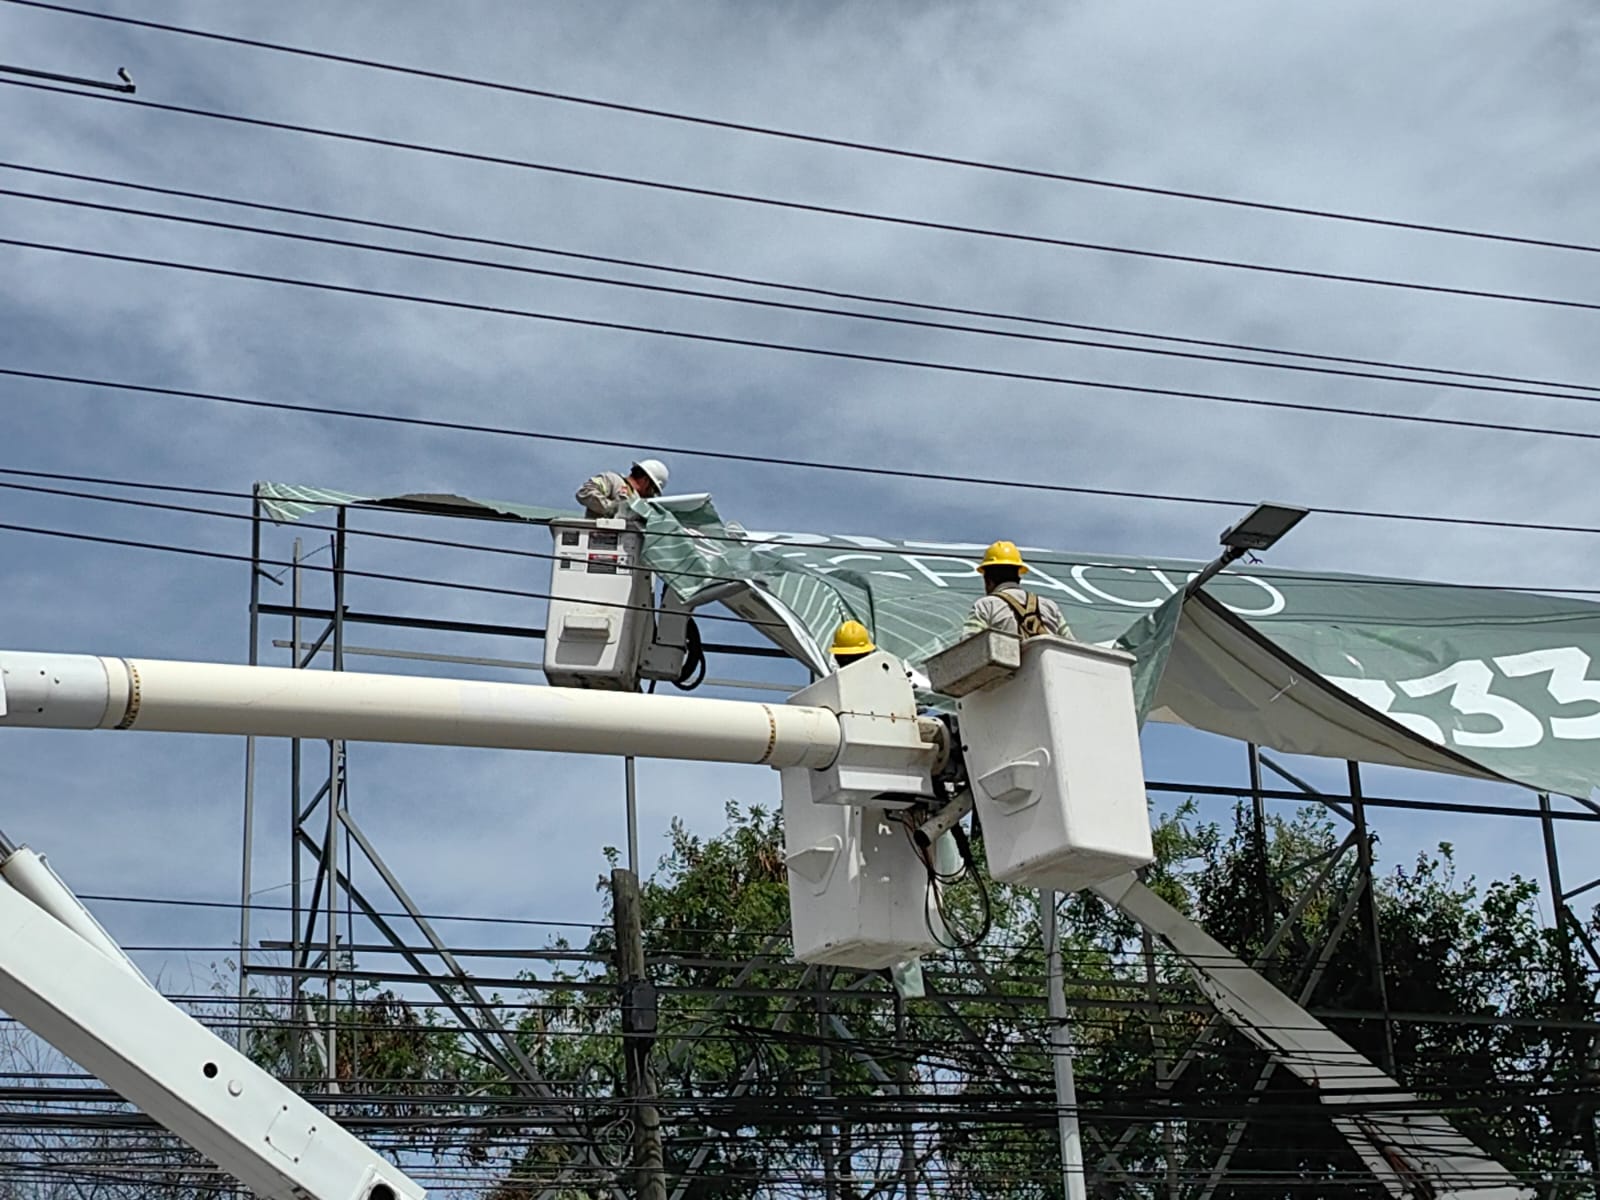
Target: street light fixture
{"type": "Point", "coordinates": [1259, 529]}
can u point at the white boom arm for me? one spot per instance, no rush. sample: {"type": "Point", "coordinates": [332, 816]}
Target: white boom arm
{"type": "Point", "coordinates": [86, 691]}
{"type": "Point", "coordinates": [63, 977]}
{"type": "Point", "coordinates": [1411, 1150]}
{"type": "Point", "coordinates": [1053, 756]}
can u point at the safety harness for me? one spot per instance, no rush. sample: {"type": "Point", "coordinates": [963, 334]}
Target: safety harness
{"type": "Point", "coordinates": [1030, 624]}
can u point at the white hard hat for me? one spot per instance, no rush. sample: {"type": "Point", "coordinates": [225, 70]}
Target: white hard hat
{"type": "Point", "coordinates": [655, 470]}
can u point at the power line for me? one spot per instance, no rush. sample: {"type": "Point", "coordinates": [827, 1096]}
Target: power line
{"type": "Point", "coordinates": [234, 906]}
{"type": "Point", "coordinates": [79, 80]}
{"type": "Point", "coordinates": [936, 1105]}
{"type": "Point", "coordinates": [1442, 806]}
{"type": "Point", "coordinates": [788, 306]}
{"type": "Point", "coordinates": [926, 1106]}
{"type": "Point", "coordinates": [382, 535]}
{"type": "Point", "coordinates": [821, 139]}
{"type": "Point", "coordinates": [775, 964]}
{"type": "Point", "coordinates": [809, 351]}
{"type": "Point", "coordinates": [757, 459]}
{"type": "Point", "coordinates": [59, 1087]}
{"type": "Point", "coordinates": [1021, 318]}
{"type": "Point", "coordinates": [820, 209]}
{"type": "Point", "coordinates": [386, 577]}
{"type": "Point", "coordinates": [839, 294]}
{"type": "Point", "coordinates": [936, 1108]}
{"type": "Point", "coordinates": [689, 962]}
{"type": "Point", "coordinates": [1041, 559]}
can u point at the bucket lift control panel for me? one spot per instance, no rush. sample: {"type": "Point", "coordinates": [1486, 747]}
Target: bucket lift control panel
{"type": "Point", "coordinates": [602, 610]}
{"type": "Point", "coordinates": [605, 628]}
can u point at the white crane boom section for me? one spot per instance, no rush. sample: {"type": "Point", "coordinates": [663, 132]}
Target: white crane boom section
{"type": "Point", "coordinates": [86, 691]}
{"type": "Point", "coordinates": [1412, 1150]}
{"type": "Point", "coordinates": [82, 996]}
{"type": "Point", "coordinates": [1050, 745]}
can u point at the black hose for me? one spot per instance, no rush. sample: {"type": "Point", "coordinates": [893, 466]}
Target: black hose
{"type": "Point", "coordinates": [694, 659]}
{"type": "Point", "coordinates": [968, 871]}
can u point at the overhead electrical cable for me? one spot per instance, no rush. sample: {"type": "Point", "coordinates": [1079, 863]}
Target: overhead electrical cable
{"type": "Point", "coordinates": [686, 451]}
{"type": "Point", "coordinates": [991, 952]}
{"type": "Point", "coordinates": [790, 205]}
{"type": "Point", "coordinates": [777, 285]}
{"type": "Point", "coordinates": [788, 306]}
{"type": "Point", "coordinates": [234, 905]}
{"type": "Point", "coordinates": [995, 1108]}
{"type": "Point", "coordinates": [382, 576]}
{"type": "Point", "coordinates": [795, 348]}
{"type": "Point", "coordinates": [1394, 1098]}
{"type": "Point", "coordinates": [793, 135]}
{"type": "Point", "coordinates": [1194, 789]}
{"type": "Point", "coordinates": [1083, 956]}
{"type": "Point", "coordinates": [64, 1086]}
{"type": "Point", "coordinates": [384, 535]}
{"type": "Point", "coordinates": [1278, 580]}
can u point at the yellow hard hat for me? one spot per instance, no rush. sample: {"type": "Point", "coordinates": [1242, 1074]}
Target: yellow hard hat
{"type": "Point", "coordinates": [1003, 554]}
{"type": "Point", "coordinates": [851, 640]}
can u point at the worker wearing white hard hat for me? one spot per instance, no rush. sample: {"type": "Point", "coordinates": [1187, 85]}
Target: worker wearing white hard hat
{"type": "Point", "coordinates": [608, 493]}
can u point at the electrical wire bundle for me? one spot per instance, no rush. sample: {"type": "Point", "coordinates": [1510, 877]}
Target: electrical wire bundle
{"type": "Point", "coordinates": [937, 903]}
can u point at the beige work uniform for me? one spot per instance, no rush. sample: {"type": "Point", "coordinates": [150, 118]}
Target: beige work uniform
{"type": "Point", "coordinates": [991, 612]}
{"type": "Point", "coordinates": [606, 494]}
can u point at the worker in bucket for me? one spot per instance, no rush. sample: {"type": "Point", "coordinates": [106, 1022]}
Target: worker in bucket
{"type": "Point", "coordinates": [1006, 606]}
{"type": "Point", "coordinates": [607, 494]}
{"type": "Point", "coordinates": [851, 643]}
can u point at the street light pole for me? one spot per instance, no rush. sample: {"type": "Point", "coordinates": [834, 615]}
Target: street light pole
{"type": "Point", "coordinates": [1259, 529]}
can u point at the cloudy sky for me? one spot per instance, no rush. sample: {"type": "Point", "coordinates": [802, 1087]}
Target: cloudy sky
{"type": "Point", "coordinates": [1465, 114]}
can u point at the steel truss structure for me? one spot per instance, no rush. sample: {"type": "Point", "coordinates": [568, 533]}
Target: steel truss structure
{"type": "Point", "coordinates": [872, 1114]}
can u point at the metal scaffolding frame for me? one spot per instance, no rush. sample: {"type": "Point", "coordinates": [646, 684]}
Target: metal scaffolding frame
{"type": "Point", "coordinates": [327, 844]}
{"type": "Point", "coordinates": [317, 843]}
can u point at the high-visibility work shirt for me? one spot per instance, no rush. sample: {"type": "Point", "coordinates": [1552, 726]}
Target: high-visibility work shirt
{"type": "Point", "coordinates": [606, 494]}
{"type": "Point", "coordinates": [991, 612]}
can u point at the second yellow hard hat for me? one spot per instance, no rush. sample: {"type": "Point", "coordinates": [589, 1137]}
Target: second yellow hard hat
{"type": "Point", "coordinates": [1003, 554]}
{"type": "Point", "coordinates": [851, 640]}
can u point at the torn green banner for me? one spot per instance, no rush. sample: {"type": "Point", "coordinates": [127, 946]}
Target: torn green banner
{"type": "Point", "coordinates": [1469, 680]}
{"type": "Point", "coordinates": [1472, 681]}
{"type": "Point", "coordinates": [1150, 640]}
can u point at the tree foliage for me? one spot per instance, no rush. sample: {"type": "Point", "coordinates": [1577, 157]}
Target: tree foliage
{"type": "Point", "coordinates": [774, 1077]}
{"type": "Point", "coordinates": [752, 1045]}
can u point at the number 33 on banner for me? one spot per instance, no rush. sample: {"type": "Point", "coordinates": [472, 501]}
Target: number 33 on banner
{"type": "Point", "coordinates": [1468, 685]}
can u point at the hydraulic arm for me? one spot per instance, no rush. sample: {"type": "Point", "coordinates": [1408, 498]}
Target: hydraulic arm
{"type": "Point", "coordinates": [63, 977]}
{"type": "Point", "coordinates": [1049, 747]}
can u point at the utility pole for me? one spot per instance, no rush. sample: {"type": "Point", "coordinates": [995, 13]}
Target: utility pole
{"type": "Point", "coordinates": [902, 1075]}
{"type": "Point", "coordinates": [1073, 1178]}
{"type": "Point", "coordinates": [1581, 1046]}
{"type": "Point", "coordinates": [1263, 863]}
{"type": "Point", "coordinates": [639, 1014]}
{"type": "Point", "coordinates": [1369, 910]}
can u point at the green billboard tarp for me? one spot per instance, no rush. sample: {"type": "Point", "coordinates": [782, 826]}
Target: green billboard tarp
{"type": "Point", "coordinates": [1472, 680]}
